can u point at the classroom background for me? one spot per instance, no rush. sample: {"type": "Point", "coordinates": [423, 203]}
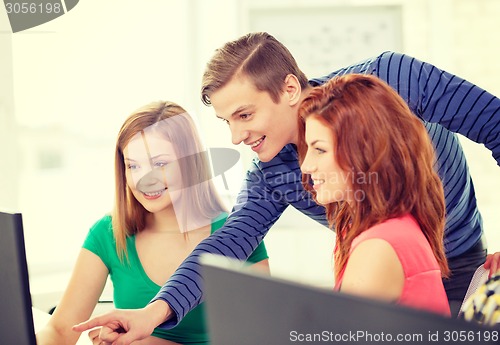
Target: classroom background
{"type": "Point", "coordinates": [67, 85]}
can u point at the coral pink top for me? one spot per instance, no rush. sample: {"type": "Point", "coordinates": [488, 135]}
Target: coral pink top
{"type": "Point", "coordinates": [423, 287]}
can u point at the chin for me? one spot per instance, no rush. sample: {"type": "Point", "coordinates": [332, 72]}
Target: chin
{"type": "Point", "coordinates": [324, 201]}
{"type": "Point", "coordinates": [267, 156]}
{"type": "Point", "coordinates": [264, 159]}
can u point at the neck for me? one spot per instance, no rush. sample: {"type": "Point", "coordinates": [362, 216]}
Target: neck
{"type": "Point", "coordinates": [164, 221]}
{"type": "Point", "coordinates": [174, 220]}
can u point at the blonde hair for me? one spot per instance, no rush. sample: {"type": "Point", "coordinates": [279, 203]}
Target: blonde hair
{"type": "Point", "coordinates": [200, 199]}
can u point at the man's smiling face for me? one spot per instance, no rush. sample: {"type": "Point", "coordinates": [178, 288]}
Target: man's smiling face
{"type": "Point", "coordinates": [254, 118]}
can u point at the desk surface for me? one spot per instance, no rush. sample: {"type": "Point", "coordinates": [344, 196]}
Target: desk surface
{"type": "Point", "coordinates": [40, 318]}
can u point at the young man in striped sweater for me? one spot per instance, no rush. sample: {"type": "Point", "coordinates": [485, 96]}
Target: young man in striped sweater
{"type": "Point", "coordinates": [256, 87]}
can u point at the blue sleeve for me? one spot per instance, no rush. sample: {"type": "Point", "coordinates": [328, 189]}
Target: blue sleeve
{"type": "Point", "coordinates": [441, 97]}
{"type": "Point", "coordinates": [250, 220]}
{"type": "Point", "coordinates": [436, 96]}
{"type": "Point", "coordinates": [258, 254]}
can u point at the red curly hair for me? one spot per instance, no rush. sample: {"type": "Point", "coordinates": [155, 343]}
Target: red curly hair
{"type": "Point", "coordinates": [376, 134]}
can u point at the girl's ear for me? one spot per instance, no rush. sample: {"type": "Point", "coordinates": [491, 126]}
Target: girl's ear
{"type": "Point", "coordinates": [292, 89]}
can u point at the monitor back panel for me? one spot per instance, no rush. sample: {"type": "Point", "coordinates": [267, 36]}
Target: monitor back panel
{"type": "Point", "coordinates": [245, 307]}
{"type": "Point", "coordinates": [16, 318]}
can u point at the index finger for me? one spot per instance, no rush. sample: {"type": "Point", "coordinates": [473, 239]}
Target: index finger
{"type": "Point", "coordinates": [93, 322]}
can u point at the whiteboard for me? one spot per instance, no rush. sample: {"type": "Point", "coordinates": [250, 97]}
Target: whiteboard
{"type": "Point", "coordinates": [325, 38]}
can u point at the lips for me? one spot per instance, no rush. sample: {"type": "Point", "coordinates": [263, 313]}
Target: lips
{"type": "Point", "coordinates": [256, 145]}
{"type": "Point", "coordinates": [317, 183]}
{"type": "Point", "coordinates": [154, 195]}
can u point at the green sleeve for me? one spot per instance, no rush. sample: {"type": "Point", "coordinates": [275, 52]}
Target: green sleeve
{"type": "Point", "coordinates": [100, 239]}
{"type": "Point", "coordinates": [259, 254]}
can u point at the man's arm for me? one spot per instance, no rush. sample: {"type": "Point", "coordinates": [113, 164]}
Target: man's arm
{"type": "Point", "coordinates": [268, 189]}
{"type": "Point", "coordinates": [441, 97]}
{"type": "Point", "coordinates": [252, 216]}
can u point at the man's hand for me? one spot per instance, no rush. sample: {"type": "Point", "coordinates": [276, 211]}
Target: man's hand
{"type": "Point", "coordinates": [123, 326]}
{"type": "Point", "coordinates": [492, 263]}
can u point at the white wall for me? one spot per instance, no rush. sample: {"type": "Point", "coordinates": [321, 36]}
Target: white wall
{"type": "Point", "coordinates": [77, 77]}
{"type": "Point", "coordinates": [8, 147]}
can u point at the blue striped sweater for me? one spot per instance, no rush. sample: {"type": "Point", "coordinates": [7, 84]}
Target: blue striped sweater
{"type": "Point", "coordinates": [446, 104]}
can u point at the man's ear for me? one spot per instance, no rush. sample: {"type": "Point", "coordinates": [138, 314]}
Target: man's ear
{"type": "Point", "coordinates": [292, 89]}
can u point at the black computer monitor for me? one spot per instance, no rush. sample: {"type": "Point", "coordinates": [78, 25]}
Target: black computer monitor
{"type": "Point", "coordinates": [245, 307]}
{"type": "Point", "coordinates": [16, 317]}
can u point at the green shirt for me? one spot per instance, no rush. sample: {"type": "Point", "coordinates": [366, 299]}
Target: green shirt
{"type": "Point", "coordinates": [132, 288]}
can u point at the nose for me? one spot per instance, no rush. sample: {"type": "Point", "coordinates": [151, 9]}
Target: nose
{"type": "Point", "coordinates": [238, 134]}
{"type": "Point", "coordinates": [135, 177]}
{"type": "Point", "coordinates": [307, 166]}
{"type": "Point", "coordinates": [154, 180]}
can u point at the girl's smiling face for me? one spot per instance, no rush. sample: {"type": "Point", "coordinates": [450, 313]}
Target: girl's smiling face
{"type": "Point", "coordinates": [152, 171]}
{"type": "Point", "coordinates": [331, 182]}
